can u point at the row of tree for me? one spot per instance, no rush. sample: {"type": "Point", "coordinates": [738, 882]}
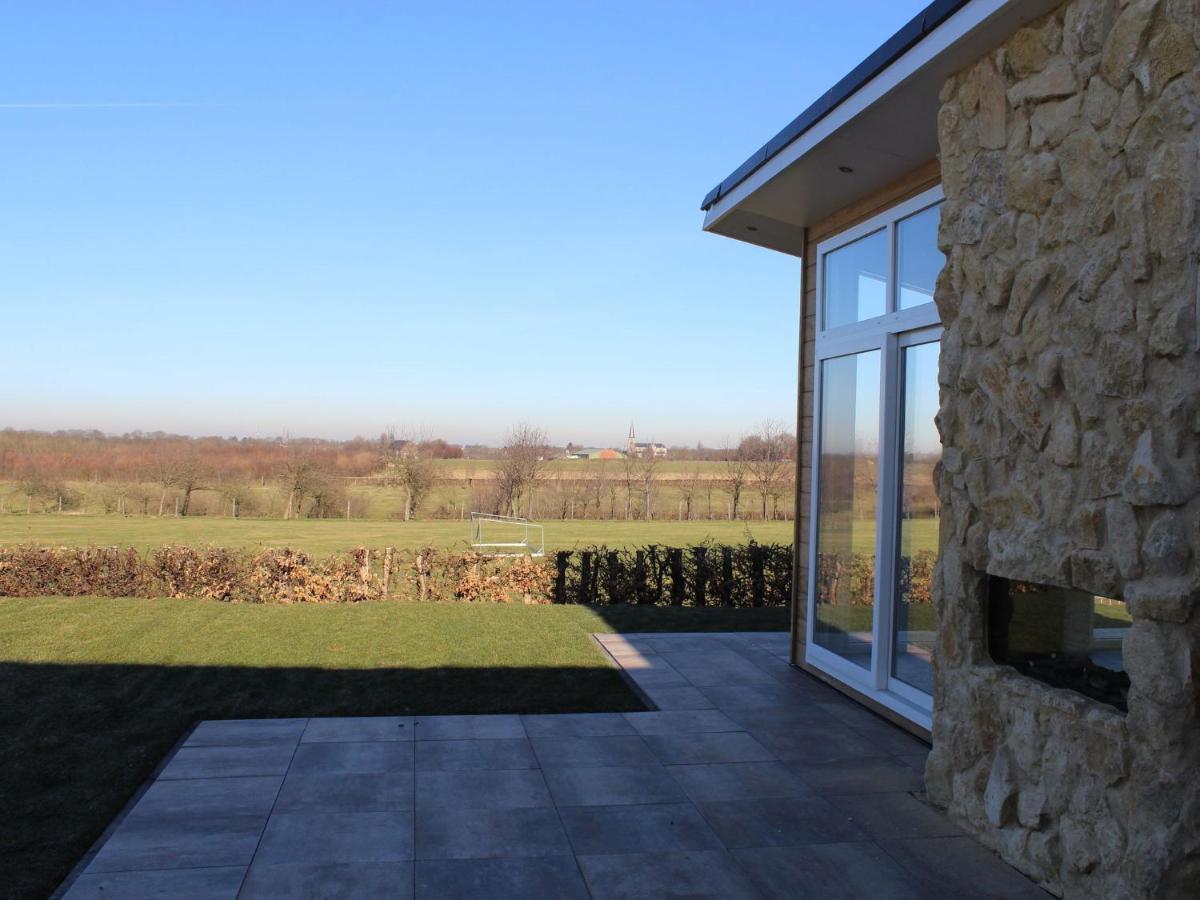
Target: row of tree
{"type": "Point", "coordinates": [313, 474]}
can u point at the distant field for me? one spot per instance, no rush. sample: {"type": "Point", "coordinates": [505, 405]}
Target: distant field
{"type": "Point", "coordinates": [323, 536]}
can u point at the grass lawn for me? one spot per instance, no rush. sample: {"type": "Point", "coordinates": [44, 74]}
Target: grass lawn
{"type": "Point", "coordinates": [96, 691]}
{"type": "Point", "coordinates": [326, 536]}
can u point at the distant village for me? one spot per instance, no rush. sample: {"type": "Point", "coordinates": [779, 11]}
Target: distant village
{"type": "Point", "coordinates": [633, 448]}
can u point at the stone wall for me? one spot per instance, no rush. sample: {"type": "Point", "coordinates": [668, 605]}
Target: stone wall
{"type": "Point", "coordinates": [1070, 419]}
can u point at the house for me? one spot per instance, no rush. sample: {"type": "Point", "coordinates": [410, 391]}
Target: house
{"type": "Point", "coordinates": [633, 448]}
{"type": "Point", "coordinates": [995, 220]}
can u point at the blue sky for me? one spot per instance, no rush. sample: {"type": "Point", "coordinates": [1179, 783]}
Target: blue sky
{"type": "Point", "coordinates": [331, 218]}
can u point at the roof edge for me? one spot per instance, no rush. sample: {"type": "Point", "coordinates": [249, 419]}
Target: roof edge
{"type": "Point", "coordinates": [909, 35]}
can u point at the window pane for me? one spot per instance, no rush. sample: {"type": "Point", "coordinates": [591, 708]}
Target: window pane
{"type": "Point", "coordinates": [846, 498]}
{"type": "Point", "coordinates": [856, 281]}
{"type": "Point", "coordinates": [918, 259]}
{"type": "Point", "coordinates": [914, 624]}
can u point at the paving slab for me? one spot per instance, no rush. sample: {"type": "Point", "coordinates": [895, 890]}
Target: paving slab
{"type": "Point", "coordinates": [327, 881]}
{"type": "Point", "coordinates": [482, 789]}
{"type": "Point", "coordinates": [692, 874]}
{"type": "Point", "coordinates": [361, 728]}
{"type": "Point", "coordinates": [487, 833]}
{"type": "Point", "coordinates": [751, 778]}
{"type": "Point", "coordinates": [336, 837]}
{"type": "Point", "coordinates": [492, 879]}
{"type": "Point", "coordinates": [218, 883]}
{"type": "Point", "coordinates": [346, 792]}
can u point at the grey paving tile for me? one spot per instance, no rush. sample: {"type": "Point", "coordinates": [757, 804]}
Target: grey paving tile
{"type": "Point", "coordinates": [245, 732]}
{"type": "Point", "coordinates": [647, 678]}
{"type": "Point", "coordinates": [359, 728]}
{"type": "Point", "coordinates": [681, 721]}
{"type": "Point", "coordinates": [961, 867]}
{"type": "Point", "coordinates": [648, 876]}
{"type": "Point", "coordinates": [475, 754]}
{"type": "Point", "coordinates": [228, 762]}
{"type": "Point", "coordinates": [850, 713]}
{"type": "Point", "coordinates": [462, 728]}
{"type": "Point", "coordinates": [576, 725]}
{"type": "Point", "coordinates": [898, 815]}
{"type": "Point", "coordinates": [634, 829]}
{"type": "Point", "coordinates": [373, 758]}
{"type": "Point", "coordinates": [634, 661]}
{"type": "Point", "coordinates": [482, 789]}
{"type": "Point", "coordinates": [686, 697]}
{"type": "Point", "coordinates": [915, 761]}
{"type": "Point", "coordinates": [188, 798]}
{"type": "Point", "coordinates": [330, 880]}
{"type": "Point", "coordinates": [815, 743]}
{"type": "Point", "coordinates": [778, 822]}
{"type": "Point", "coordinates": [751, 696]}
{"type": "Point", "coordinates": [219, 883]}
{"type": "Point", "coordinates": [874, 775]}
{"type": "Point", "coordinates": [738, 781]}
{"type": "Point", "coordinates": [186, 843]}
{"type": "Point", "coordinates": [613, 750]}
{"type": "Point", "coordinates": [545, 878]}
{"type": "Point", "coordinates": [480, 833]}
{"type": "Point", "coordinates": [891, 739]}
{"type": "Point", "coordinates": [847, 871]}
{"type": "Point", "coordinates": [794, 717]}
{"type": "Point", "coordinates": [612, 786]}
{"type": "Point", "coordinates": [316, 838]}
{"type": "Point", "coordinates": [709, 747]}
{"type": "Point", "coordinates": [704, 669]}
{"type": "Point", "coordinates": [354, 792]}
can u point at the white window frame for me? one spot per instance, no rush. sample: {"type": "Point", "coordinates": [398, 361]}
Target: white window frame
{"type": "Point", "coordinates": [890, 334]}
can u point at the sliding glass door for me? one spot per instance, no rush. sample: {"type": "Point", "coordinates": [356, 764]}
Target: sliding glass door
{"type": "Point", "coordinates": [875, 516]}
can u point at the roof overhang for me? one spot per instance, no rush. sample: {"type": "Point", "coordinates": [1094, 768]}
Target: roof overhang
{"type": "Point", "coordinates": [879, 122]}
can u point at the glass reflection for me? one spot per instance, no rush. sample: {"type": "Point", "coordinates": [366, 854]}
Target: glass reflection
{"type": "Point", "coordinates": [848, 481]}
{"type": "Point", "coordinates": [856, 281]}
{"type": "Point", "coordinates": [918, 259]}
{"type": "Point", "coordinates": [913, 619]}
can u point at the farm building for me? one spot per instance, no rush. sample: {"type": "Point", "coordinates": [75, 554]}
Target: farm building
{"type": "Point", "coordinates": [595, 453]}
{"type": "Point", "coordinates": [995, 217]}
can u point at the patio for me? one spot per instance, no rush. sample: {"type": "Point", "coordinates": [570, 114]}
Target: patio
{"type": "Point", "coordinates": [751, 779]}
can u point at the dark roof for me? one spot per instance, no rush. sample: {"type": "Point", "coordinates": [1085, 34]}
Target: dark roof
{"type": "Point", "coordinates": [899, 43]}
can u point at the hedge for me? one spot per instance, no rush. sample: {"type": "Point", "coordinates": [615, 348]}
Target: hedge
{"type": "Point", "coordinates": [751, 575]}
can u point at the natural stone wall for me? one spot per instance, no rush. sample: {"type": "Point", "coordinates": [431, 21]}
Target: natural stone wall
{"type": "Point", "coordinates": [1070, 419]}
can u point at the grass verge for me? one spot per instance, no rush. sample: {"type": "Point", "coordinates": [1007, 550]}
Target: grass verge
{"type": "Point", "coordinates": [97, 690]}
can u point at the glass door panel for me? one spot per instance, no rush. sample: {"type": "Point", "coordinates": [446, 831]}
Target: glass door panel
{"type": "Point", "coordinates": [913, 623]}
{"type": "Point", "coordinates": [843, 615]}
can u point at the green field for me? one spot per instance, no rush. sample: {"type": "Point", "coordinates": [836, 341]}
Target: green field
{"type": "Point", "coordinates": [96, 691]}
{"type": "Point", "coordinates": [323, 536]}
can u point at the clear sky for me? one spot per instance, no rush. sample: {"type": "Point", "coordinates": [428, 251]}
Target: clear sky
{"type": "Point", "coordinates": [330, 218]}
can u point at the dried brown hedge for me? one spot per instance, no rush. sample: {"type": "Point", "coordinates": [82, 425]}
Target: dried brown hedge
{"type": "Point", "coordinates": [752, 575]}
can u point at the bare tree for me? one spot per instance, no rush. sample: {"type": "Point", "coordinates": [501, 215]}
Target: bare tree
{"type": "Point", "coordinates": [629, 477]}
{"type": "Point", "coordinates": [647, 473]}
{"type": "Point", "coordinates": [300, 476]}
{"type": "Point", "coordinates": [735, 472]}
{"type": "Point", "coordinates": [689, 489]}
{"type": "Point", "coordinates": [410, 468]}
{"type": "Point", "coordinates": [521, 461]}
{"type": "Point", "coordinates": [769, 454]}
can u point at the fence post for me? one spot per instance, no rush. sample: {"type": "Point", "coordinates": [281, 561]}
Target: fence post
{"type": "Point", "coordinates": [657, 571]}
{"type": "Point", "coordinates": [639, 577]}
{"type": "Point", "coordinates": [585, 574]}
{"type": "Point", "coordinates": [562, 559]}
{"type": "Point", "coordinates": [678, 585]}
{"type": "Point", "coordinates": [387, 570]}
{"type": "Point", "coordinates": [613, 578]}
{"type": "Point", "coordinates": [727, 576]}
{"type": "Point", "coordinates": [701, 575]}
{"type": "Point", "coordinates": [758, 585]}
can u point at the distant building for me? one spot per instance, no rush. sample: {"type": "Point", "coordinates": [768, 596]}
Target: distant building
{"type": "Point", "coordinates": [403, 448]}
{"type": "Point", "coordinates": [594, 453]}
{"type": "Point", "coordinates": [651, 449]}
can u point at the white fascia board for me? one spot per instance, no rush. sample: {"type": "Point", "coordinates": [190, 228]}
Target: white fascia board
{"type": "Point", "coordinates": [961, 24]}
